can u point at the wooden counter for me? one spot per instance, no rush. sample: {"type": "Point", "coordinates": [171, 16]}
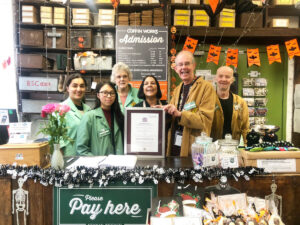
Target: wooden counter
{"type": "Point", "coordinates": [41, 197]}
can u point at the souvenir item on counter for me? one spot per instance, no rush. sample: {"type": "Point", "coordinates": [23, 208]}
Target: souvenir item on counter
{"type": "Point", "coordinates": [222, 188]}
{"type": "Point", "coordinates": [20, 202]}
{"type": "Point", "coordinates": [204, 152]}
{"type": "Point", "coordinates": [191, 195]}
{"type": "Point", "coordinates": [248, 92]}
{"type": "Point", "coordinates": [250, 101]}
{"type": "Point", "coordinates": [260, 91]}
{"type": "Point", "coordinates": [260, 82]}
{"type": "Point", "coordinates": [274, 201]}
{"type": "Point", "coordinates": [165, 207]}
{"type": "Point", "coordinates": [228, 154]}
{"type": "Point", "coordinates": [252, 138]}
{"type": "Point", "coordinates": [248, 82]}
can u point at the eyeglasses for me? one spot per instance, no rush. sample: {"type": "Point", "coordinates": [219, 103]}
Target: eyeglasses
{"type": "Point", "coordinates": [183, 64]}
{"type": "Point", "coordinates": [106, 93]}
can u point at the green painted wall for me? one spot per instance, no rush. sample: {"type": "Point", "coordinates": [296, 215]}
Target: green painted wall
{"type": "Point", "coordinates": [276, 75]}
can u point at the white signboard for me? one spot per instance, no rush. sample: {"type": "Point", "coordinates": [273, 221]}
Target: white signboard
{"type": "Point", "coordinates": [277, 165]}
{"type": "Point", "coordinates": [37, 84]}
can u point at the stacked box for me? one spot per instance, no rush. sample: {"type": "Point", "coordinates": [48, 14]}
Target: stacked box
{"type": "Point", "coordinates": [153, 1]}
{"type": "Point", "coordinates": [200, 18]}
{"type": "Point", "coordinates": [60, 40]}
{"type": "Point", "coordinates": [135, 19]}
{"type": "Point", "coordinates": [59, 16]}
{"type": "Point", "coordinates": [106, 17]}
{"type": "Point", "coordinates": [147, 18]}
{"type": "Point", "coordinates": [226, 18]}
{"type": "Point", "coordinates": [125, 2]}
{"type": "Point", "coordinates": [178, 1]}
{"type": "Point", "coordinates": [280, 22]}
{"type": "Point", "coordinates": [82, 16]}
{"type": "Point", "coordinates": [31, 37]}
{"type": "Point", "coordinates": [140, 2]}
{"type": "Point", "coordinates": [158, 17]}
{"type": "Point", "coordinates": [103, 1]}
{"type": "Point", "coordinates": [81, 38]}
{"type": "Point", "coordinates": [29, 14]}
{"type": "Point", "coordinates": [35, 61]}
{"type": "Point", "coordinates": [254, 19]}
{"type": "Point", "coordinates": [182, 17]}
{"type": "Point", "coordinates": [283, 2]}
{"type": "Point", "coordinates": [257, 2]}
{"type": "Point", "coordinates": [46, 15]}
{"type": "Point", "coordinates": [192, 2]}
{"type": "Point", "coordinates": [123, 19]}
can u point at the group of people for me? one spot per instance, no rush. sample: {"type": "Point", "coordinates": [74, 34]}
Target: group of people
{"type": "Point", "coordinates": [195, 107]}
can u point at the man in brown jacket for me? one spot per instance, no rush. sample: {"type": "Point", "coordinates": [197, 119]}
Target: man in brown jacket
{"type": "Point", "coordinates": [192, 107]}
{"type": "Point", "coordinates": [231, 111]}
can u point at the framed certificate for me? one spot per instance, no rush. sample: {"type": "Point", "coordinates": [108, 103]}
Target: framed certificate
{"type": "Point", "coordinates": [144, 132]}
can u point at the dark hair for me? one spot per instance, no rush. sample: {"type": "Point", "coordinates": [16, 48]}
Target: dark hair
{"type": "Point", "coordinates": [74, 76]}
{"type": "Point", "coordinates": [115, 107]}
{"type": "Point", "coordinates": [141, 93]}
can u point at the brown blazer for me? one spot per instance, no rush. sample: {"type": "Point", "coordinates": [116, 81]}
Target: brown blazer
{"type": "Point", "coordinates": [194, 120]}
{"type": "Point", "coordinates": [239, 122]}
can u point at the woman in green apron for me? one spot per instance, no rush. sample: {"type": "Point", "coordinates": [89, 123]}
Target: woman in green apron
{"type": "Point", "coordinates": [101, 130]}
{"type": "Point", "coordinates": [76, 86]}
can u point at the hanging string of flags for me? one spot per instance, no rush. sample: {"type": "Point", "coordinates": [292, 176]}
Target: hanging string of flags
{"type": "Point", "coordinates": [253, 57]}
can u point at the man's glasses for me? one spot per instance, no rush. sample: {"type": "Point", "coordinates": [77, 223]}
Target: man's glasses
{"type": "Point", "coordinates": [106, 93]}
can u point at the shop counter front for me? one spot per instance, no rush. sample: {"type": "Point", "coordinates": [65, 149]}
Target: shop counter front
{"type": "Point", "coordinates": [41, 195]}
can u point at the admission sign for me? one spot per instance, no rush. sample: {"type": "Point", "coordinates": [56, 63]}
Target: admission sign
{"type": "Point", "coordinates": [111, 205]}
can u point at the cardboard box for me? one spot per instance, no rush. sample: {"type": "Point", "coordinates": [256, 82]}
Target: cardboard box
{"type": "Point", "coordinates": [182, 12]}
{"type": "Point", "coordinates": [192, 2]}
{"type": "Point", "coordinates": [46, 9]}
{"type": "Point", "coordinates": [80, 10]}
{"type": "Point", "coordinates": [59, 21]}
{"type": "Point", "coordinates": [29, 154]}
{"type": "Point", "coordinates": [125, 2]}
{"type": "Point", "coordinates": [106, 12]}
{"type": "Point", "coordinates": [59, 10]}
{"type": "Point", "coordinates": [46, 21]}
{"type": "Point", "coordinates": [178, 1]}
{"type": "Point", "coordinates": [199, 13]}
{"type": "Point", "coordinates": [199, 23]}
{"type": "Point", "coordinates": [283, 2]}
{"type": "Point", "coordinates": [46, 15]}
{"type": "Point", "coordinates": [273, 161]}
{"type": "Point", "coordinates": [280, 22]}
{"type": "Point", "coordinates": [254, 20]}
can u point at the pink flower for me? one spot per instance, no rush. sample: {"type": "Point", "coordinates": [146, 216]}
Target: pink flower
{"type": "Point", "coordinates": [57, 107]}
{"type": "Point", "coordinates": [64, 109]}
{"type": "Point", "coordinates": [48, 109]}
{"type": "Point", "coordinates": [43, 114]}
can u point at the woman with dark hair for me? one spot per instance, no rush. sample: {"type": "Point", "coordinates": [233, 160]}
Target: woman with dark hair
{"type": "Point", "coordinates": [101, 130]}
{"type": "Point", "coordinates": [150, 92]}
{"type": "Point", "coordinates": [76, 86]}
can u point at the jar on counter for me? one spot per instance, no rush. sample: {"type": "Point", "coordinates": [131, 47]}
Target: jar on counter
{"type": "Point", "coordinates": [109, 41]}
{"type": "Point", "coordinates": [204, 152]}
{"type": "Point", "coordinates": [98, 40]}
{"type": "Point", "coordinates": [228, 152]}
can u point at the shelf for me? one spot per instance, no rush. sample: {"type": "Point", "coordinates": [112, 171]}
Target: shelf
{"type": "Point", "coordinates": [94, 72]}
{"type": "Point", "coordinates": [137, 7]}
{"type": "Point", "coordinates": [236, 32]}
{"type": "Point", "coordinates": [92, 6]}
{"type": "Point", "coordinates": [27, 49]}
{"type": "Point", "coordinates": [26, 70]}
{"type": "Point", "coordinates": [42, 3]}
{"type": "Point", "coordinates": [94, 27]}
{"type": "Point", "coordinates": [39, 25]}
{"type": "Point", "coordinates": [107, 51]}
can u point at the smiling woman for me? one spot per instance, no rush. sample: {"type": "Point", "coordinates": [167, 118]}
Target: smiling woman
{"type": "Point", "coordinates": [101, 130]}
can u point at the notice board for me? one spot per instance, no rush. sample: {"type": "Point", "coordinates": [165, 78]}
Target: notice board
{"type": "Point", "coordinates": [144, 50]}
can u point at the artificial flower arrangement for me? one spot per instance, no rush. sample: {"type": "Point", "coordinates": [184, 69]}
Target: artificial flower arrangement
{"type": "Point", "coordinates": [55, 127]}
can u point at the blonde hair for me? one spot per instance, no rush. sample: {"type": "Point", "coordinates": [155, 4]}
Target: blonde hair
{"type": "Point", "coordinates": [120, 67]}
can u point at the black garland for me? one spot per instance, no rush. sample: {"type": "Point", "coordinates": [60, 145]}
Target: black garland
{"type": "Point", "coordinates": [104, 176]}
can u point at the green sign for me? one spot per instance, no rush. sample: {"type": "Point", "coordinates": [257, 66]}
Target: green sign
{"type": "Point", "coordinates": [111, 205]}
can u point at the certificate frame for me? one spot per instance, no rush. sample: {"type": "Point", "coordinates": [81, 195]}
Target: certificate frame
{"type": "Point", "coordinates": [130, 114]}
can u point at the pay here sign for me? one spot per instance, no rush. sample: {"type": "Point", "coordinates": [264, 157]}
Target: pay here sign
{"type": "Point", "coordinates": [113, 205]}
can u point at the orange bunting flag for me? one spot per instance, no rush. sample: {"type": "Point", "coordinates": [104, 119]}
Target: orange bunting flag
{"type": "Point", "coordinates": [232, 57]}
{"type": "Point", "coordinates": [213, 4]}
{"type": "Point", "coordinates": [115, 3]}
{"type": "Point", "coordinates": [273, 54]}
{"type": "Point", "coordinates": [213, 54]}
{"type": "Point", "coordinates": [253, 57]}
{"type": "Point", "coordinates": [292, 48]}
{"type": "Point", "coordinates": [190, 45]}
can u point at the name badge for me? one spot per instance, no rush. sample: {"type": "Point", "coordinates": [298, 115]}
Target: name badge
{"type": "Point", "coordinates": [189, 106]}
{"type": "Point", "coordinates": [103, 133]}
{"type": "Point", "coordinates": [178, 138]}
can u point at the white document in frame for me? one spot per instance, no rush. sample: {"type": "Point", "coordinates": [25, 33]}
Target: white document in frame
{"type": "Point", "coordinates": [144, 132]}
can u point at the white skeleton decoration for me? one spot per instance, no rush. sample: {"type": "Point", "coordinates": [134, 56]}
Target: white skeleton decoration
{"type": "Point", "coordinates": [274, 201]}
{"type": "Point", "coordinates": [20, 199]}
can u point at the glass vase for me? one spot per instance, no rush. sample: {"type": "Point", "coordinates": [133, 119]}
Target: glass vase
{"type": "Point", "coordinates": [57, 159]}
